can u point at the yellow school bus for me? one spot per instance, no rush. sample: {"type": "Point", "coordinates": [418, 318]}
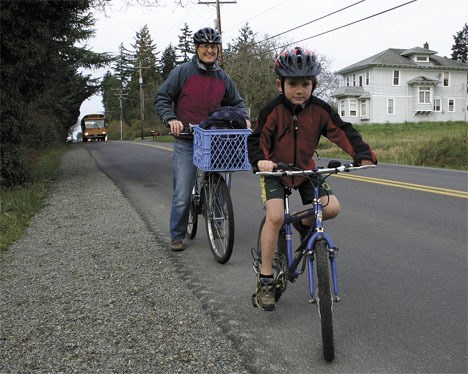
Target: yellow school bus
{"type": "Point", "coordinates": [94, 126]}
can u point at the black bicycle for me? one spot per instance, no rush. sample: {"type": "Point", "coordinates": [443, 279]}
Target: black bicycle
{"type": "Point", "coordinates": [217, 153]}
{"type": "Point", "coordinates": [317, 248]}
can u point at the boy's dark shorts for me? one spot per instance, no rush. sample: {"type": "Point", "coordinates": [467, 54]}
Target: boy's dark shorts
{"type": "Point", "coordinates": [272, 188]}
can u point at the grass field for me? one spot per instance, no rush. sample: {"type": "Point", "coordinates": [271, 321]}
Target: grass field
{"type": "Point", "coordinates": [432, 144]}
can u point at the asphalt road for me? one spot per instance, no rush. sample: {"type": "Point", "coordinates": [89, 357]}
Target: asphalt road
{"type": "Point", "coordinates": [402, 268]}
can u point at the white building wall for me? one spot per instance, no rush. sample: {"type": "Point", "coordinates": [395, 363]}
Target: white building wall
{"type": "Point", "coordinates": [406, 97]}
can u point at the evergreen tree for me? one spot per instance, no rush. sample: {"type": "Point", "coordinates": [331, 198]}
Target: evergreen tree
{"type": "Point", "coordinates": [123, 65]}
{"type": "Point", "coordinates": [168, 61]}
{"type": "Point", "coordinates": [460, 47]}
{"type": "Point", "coordinates": [111, 88]}
{"type": "Point", "coordinates": [42, 88]}
{"type": "Point", "coordinates": [250, 64]}
{"type": "Point", "coordinates": [185, 48]}
{"type": "Point", "coordinates": [145, 68]}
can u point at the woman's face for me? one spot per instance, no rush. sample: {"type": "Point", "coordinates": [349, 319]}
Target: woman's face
{"type": "Point", "coordinates": [207, 53]}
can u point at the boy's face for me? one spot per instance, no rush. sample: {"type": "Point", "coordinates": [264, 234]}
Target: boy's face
{"type": "Point", "coordinates": [296, 90]}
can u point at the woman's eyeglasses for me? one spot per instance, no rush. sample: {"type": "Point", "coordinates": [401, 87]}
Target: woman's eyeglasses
{"type": "Point", "coordinates": [206, 47]}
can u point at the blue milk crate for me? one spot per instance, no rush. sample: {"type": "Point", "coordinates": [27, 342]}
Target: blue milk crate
{"type": "Point", "coordinates": [220, 150]}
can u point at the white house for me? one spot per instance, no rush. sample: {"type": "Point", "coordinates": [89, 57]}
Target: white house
{"type": "Point", "coordinates": [404, 85]}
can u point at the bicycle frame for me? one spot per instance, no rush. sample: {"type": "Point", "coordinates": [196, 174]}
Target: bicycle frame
{"type": "Point", "coordinates": [316, 233]}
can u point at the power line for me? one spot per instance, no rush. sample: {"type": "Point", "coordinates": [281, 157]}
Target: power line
{"type": "Point", "coordinates": [314, 20]}
{"type": "Point", "coordinates": [351, 23]}
{"type": "Point", "coordinates": [334, 29]}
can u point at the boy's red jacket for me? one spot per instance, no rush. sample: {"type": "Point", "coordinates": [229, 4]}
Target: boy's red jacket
{"type": "Point", "coordinates": [290, 134]}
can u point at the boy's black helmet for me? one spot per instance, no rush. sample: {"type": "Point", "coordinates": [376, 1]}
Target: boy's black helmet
{"type": "Point", "coordinates": [207, 35]}
{"type": "Point", "coordinates": [297, 62]}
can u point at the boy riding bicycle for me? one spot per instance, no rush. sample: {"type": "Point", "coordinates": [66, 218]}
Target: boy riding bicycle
{"type": "Point", "coordinates": [289, 128]}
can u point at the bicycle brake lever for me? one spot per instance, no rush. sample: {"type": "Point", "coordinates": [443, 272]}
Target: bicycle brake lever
{"type": "Point", "coordinates": [283, 166]}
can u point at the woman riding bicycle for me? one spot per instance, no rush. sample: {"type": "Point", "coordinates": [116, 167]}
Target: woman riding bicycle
{"type": "Point", "coordinates": [191, 91]}
{"type": "Point", "coordinates": [289, 128]}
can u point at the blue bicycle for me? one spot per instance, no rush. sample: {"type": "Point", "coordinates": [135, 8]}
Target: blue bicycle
{"type": "Point", "coordinates": [317, 247]}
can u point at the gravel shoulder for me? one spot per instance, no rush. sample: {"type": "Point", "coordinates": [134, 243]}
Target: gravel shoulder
{"type": "Point", "coordinates": [89, 289]}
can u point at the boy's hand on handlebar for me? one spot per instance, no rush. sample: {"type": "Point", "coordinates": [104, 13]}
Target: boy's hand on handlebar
{"type": "Point", "coordinates": [266, 165]}
{"type": "Point", "coordinates": [176, 127]}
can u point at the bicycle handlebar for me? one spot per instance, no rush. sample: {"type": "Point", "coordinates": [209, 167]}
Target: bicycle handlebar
{"type": "Point", "coordinates": [285, 172]}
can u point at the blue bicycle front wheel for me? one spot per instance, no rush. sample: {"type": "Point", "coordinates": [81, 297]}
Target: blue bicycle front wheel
{"type": "Point", "coordinates": [325, 300]}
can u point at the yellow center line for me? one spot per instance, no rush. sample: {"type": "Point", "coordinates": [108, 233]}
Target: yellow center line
{"type": "Point", "coordinates": [155, 146]}
{"type": "Point", "coordinates": [384, 182]}
{"type": "Point", "coordinates": [409, 186]}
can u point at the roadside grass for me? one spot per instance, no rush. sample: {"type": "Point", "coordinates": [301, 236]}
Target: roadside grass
{"type": "Point", "coordinates": [161, 138]}
{"type": "Point", "coordinates": [18, 205]}
{"type": "Point", "coordinates": [429, 144]}
{"type": "Point", "coordinates": [440, 145]}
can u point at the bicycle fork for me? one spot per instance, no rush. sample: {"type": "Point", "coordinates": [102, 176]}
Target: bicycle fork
{"type": "Point", "coordinates": [310, 264]}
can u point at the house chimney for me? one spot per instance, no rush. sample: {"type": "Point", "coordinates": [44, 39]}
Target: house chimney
{"type": "Point", "coordinates": [426, 45]}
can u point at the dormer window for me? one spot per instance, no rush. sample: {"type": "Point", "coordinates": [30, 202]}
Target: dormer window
{"type": "Point", "coordinates": [422, 59]}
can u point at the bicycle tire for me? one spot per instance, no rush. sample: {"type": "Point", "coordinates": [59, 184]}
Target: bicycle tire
{"type": "Point", "coordinates": [193, 215]}
{"type": "Point", "coordinates": [325, 300]}
{"type": "Point", "coordinates": [219, 217]}
{"type": "Point", "coordinates": [280, 262]}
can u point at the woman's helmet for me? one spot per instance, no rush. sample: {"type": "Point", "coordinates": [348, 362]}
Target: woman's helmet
{"type": "Point", "coordinates": [207, 35]}
{"type": "Point", "coordinates": [297, 62]}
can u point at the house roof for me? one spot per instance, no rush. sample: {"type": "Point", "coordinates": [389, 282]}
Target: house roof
{"type": "Point", "coordinates": [394, 57]}
{"type": "Point", "coordinates": [423, 80]}
{"type": "Point", "coordinates": [351, 91]}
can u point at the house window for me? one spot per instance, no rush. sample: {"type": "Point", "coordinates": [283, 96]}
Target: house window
{"type": "Point", "coordinates": [446, 78]}
{"type": "Point", "coordinates": [343, 108]}
{"type": "Point", "coordinates": [353, 108]}
{"type": "Point", "coordinates": [396, 77]}
{"type": "Point", "coordinates": [451, 105]}
{"type": "Point", "coordinates": [354, 80]}
{"type": "Point", "coordinates": [368, 77]}
{"type": "Point", "coordinates": [347, 80]}
{"type": "Point", "coordinates": [390, 106]}
{"type": "Point", "coordinates": [360, 80]}
{"type": "Point", "coordinates": [437, 104]}
{"type": "Point", "coordinates": [422, 59]}
{"type": "Point", "coordinates": [424, 95]}
{"type": "Point", "coordinates": [363, 108]}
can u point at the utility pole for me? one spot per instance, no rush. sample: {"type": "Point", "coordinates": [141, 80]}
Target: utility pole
{"type": "Point", "coordinates": [218, 21]}
{"type": "Point", "coordinates": [121, 97]}
{"type": "Point", "coordinates": [142, 98]}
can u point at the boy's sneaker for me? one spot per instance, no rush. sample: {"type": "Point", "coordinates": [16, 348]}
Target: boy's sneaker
{"type": "Point", "coordinates": [177, 245]}
{"type": "Point", "coordinates": [264, 298]}
{"type": "Point", "coordinates": [301, 228]}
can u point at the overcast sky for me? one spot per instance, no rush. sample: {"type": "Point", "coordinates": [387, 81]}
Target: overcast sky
{"type": "Point", "coordinates": [408, 26]}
